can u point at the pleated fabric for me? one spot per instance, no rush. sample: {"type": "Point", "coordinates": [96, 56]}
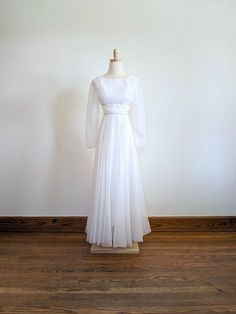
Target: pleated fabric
{"type": "Point", "coordinates": [117, 213]}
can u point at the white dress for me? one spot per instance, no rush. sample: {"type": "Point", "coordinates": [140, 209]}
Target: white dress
{"type": "Point", "coordinates": [117, 213]}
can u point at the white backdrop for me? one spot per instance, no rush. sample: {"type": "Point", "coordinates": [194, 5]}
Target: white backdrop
{"type": "Point", "coordinates": [184, 53]}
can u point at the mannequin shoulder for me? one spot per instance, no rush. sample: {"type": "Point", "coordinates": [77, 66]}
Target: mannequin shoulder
{"type": "Point", "coordinates": [136, 82]}
{"type": "Point", "coordinates": [94, 82]}
{"type": "Point", "coordinates": [135, 79]}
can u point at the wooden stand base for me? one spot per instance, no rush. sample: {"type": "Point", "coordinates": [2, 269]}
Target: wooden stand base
{"type": "Point", "coordinates": [134, 249]}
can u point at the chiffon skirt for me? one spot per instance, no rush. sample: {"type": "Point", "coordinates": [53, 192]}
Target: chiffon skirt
{"type": "Point", "coordinates": [117, 214]}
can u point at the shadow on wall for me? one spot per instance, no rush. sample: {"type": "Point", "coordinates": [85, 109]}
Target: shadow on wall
{"type": "Point", "coordinates": [45, 165]}
{"type": "Point", "coordinates": [70, 168]}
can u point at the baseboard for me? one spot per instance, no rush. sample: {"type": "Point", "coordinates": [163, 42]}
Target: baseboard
{"type": "Point", "coordinates": [78, 223]}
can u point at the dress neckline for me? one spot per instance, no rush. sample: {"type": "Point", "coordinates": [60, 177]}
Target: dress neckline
{"type": "Point", "coordinates": [115, 78]}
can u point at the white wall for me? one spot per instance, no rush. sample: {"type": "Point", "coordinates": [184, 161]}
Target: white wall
{"type": "Point", "coordinates": [184, 52]}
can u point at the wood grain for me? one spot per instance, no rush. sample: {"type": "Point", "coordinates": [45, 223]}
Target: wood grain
{"type": "Point", "coordinates": [175, 272]}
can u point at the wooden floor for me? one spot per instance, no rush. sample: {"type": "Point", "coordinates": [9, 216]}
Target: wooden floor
{"type": "Point", "coordinates": [174, 273]}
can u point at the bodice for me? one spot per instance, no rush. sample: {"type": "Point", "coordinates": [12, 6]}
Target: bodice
{"type": "Point", "coordinates": [114, 93]}
{"type": "Point", "coordinates": [117, 97]}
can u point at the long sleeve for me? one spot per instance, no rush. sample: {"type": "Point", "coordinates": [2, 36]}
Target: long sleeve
{"type": "Point", "coordinates": [137, 115]}
{"type": "Point", "coordinates": [92, 117]}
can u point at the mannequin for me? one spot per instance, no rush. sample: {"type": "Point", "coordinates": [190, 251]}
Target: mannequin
{"type": "Point", "coordinates": [115, 69]}
{"type": "Point", "coordinates": [128, 133]}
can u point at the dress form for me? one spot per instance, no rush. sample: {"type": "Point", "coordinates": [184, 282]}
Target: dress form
{"type": "Point", "coordinates": [115, 70]}
{"type": "Point", "coordinates": [117, 218]}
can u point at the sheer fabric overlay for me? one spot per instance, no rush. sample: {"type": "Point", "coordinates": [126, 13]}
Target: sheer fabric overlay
{"type": "Point", "coordinates": [117, 210]}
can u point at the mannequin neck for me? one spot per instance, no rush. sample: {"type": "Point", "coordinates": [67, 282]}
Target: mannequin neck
{"type": "Point", "coordinates": [115, 69]}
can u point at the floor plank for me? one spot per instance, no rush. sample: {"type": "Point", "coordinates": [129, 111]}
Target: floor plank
{"type": "Point", "coordinates": [175, 272]}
